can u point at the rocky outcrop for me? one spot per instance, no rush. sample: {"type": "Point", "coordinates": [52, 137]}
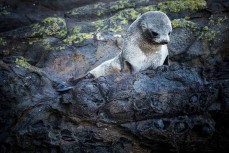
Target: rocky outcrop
{"type": "Point", "coordinates": [182, 107]}
{"type": "Point", "coordinates": [118, 113]}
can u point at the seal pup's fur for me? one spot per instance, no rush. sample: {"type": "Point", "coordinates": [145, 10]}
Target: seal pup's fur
{"type": "Point", "coordinates": [144, 46]}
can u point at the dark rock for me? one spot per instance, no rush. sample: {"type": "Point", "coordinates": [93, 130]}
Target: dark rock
{"type": "Point", "coordinates": [114, 104]}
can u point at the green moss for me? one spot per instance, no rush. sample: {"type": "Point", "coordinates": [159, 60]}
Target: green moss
{"type": "Point", "coordinates": [60, 48]}
{"type": "Point", "coordinates": [117, 22]}
{"type": "Point", "coordinates": [77, 38]}
{"type": "Point", "coordinates": [147, 8]}
{"type": "Point", "coordinates": [99, 25]}
{"type": "Point", "coordinates": [22, 62]}
{"type": "Point", "coordinates": [76, 29]}
{"type": "Point", "coordinates": [33, 40]}
{"type": "Point", "coordinates": [4, 10]}
{"type": "Point", "coordinates": [116, 29]}
{"type": "Point", "coordinates": [99, 8]}
{"type": "Point", "coordinates": [100, 13]}
{"type": "Point", "coordinates": [183, 23]}
{"type": "Point", "coordinates": [175, 6]}
{"type": "Point", "coordinates": [51, 27]}
{"type": "Point", "coordinates": [221, 20]}
{"type": "Point", "coordinates": [205, 28]}
{"type": "Point", "coordinates": [116, 7]}
{"type": "Point", "coordinates": [47, 45]}
{"type": "Point", "coordinates": [143, 1]}
{"type": "Point", "coordinates": [120, 21]}
{"type": "Point", "coordinates": [208, 35]}
{"type": "Point", "coordinates": [187, 18]}
{"type": "Point", "coordinates": [205, 32]}
{"type": "Point", "coordinates": [2, 41]}
{"type": "Point", "coordinates": [217, 21]}
{"type": "Point", "coordinates": [120, 5]}
{"type": "Point", "coordinates": [130, 14]}
{"type": "Point", "coordinates": [98, 5]}
{"type": "Point", "coordinates": [104, 8]}
{"type": "Point", "coordinates": [124, 22]}
{"type": "Point", "coordinates": [178, 5]}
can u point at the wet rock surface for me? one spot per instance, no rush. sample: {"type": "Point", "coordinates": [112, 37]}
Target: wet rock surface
{"type": "Point", "coordinates": [178, 108]}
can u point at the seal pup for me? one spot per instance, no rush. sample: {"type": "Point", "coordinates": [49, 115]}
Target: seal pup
{"type": "Point", "coordinates": [145, 45]}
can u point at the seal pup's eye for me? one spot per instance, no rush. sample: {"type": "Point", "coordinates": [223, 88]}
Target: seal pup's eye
{"type": "Point", "coordinates": [169, 33]}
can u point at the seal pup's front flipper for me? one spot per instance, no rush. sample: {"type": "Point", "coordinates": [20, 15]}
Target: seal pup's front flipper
{"type": "Point", "coordinates": [63, 86]}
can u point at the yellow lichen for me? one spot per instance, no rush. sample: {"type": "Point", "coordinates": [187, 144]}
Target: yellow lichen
{"type": "Point", "coordinates": [77, 38]}
{"type": "Point", "coordinates": [99, 8]}
{"type": "Point", "coordinates": [217, 21]}
{"type": "Point", "coordinates": [120, 5]}
{"type": "Point", "coordinates": [183, 23]}
{"type": "Point", "coordinates": [126, 15]}
{"type": "Point", "coordinates": [175, 6]}
{"type": "Point", "coordinates": [47, 45]}
{"type": "Point", "coordinates": [117, 21]}
{"type": "Point", "coordinates": [22, 62]}
{"type": "Point", "coordinates": [205, 28]}
{"type": "Point", "coordinates": [116, 29]}
{"type": "Point", "coordinates": [130, 14]}
{"type": "Point", "coordinates": [146, 9]}
{"type": "Point", "coordinates": [60, 48]}
{"type": "Point", "coordinates": [208, 35]}
{"type": "Point", "coordinates": [33, 40]}
{"type": "Point", "coordinates": [76, 29]}
{"type": "Point", "coordinates": [179, 5]}
{"type": "Point", "coordinates": [4, 10]}
{"type": "Point", "coordinates": [88, 36]}
{"type": "Point", "coordinates": [51, 27]}
{"type": "Point", "coordinates": [99, 25]}
{"type": "Point", "coordinates": [2, 41]}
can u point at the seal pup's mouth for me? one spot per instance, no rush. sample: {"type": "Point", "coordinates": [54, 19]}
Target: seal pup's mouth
{"type": "Point", "coordinates": [159, 43]}
{"type": "Point", "coordinates": [155, 42]}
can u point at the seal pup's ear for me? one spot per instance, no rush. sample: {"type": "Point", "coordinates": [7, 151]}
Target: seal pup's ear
{"type": "Point", "coordinates": [143, 25]}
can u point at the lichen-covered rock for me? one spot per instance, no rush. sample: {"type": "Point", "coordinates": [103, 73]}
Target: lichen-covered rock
{"type": "Point", "coordinates": [103, 9]}
{"type": "Point", "coordinates": [121, 17]}
{"type": "Point", "coordinates": [49, 27]}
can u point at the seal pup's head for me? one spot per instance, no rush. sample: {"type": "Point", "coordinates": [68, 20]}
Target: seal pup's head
{"type": "Point", "coordinates": [155, 27]}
